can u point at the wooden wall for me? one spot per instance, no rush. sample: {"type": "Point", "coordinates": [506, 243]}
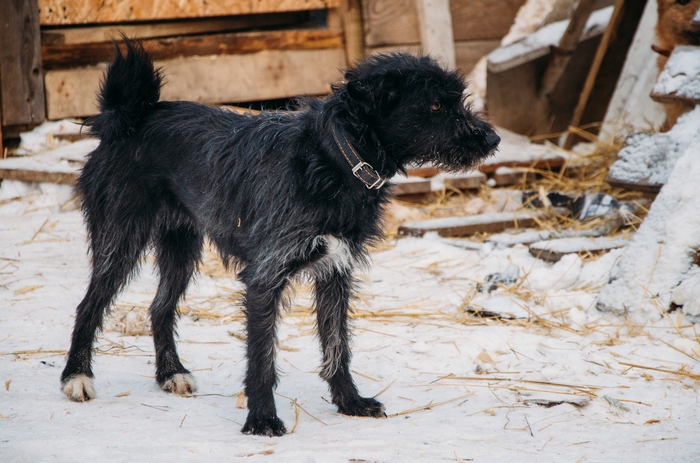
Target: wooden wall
{"type": "Point", "coordinates": [477, 26]}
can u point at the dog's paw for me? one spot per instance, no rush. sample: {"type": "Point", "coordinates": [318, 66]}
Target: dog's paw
{"type": "Point", "coordinates": [182, 384]}
{"type": "Point", "coordinates": [79, 388]}
{"type": "Point", "coordinates": [362, 406]}
{"type": "Point", "coordinates": [271, 426]}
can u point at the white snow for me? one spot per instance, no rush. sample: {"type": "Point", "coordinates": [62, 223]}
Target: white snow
{"type": "Point", "coordinates": [456, 388]}
{"type": "Point", "coordinates": [650, 157]}
{"type": "Point", "coordinates": [40, 139]}
{"type": "Point", "coordinates": [662, 251]}
{"type": "Point", "coordinates": [681, 75]}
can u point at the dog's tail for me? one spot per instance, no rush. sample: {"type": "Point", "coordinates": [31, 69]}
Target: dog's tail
{"type": "Point", "coordinates": [128, 92]}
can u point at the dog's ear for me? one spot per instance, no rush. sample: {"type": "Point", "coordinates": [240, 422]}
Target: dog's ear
{"type": "Point", "coordinates": [377, 92]}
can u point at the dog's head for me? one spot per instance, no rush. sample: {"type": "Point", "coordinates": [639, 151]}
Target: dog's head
{"type": "Point", "coordinates": [418, 112]}
{"type": "Point", "coordinates": [679, 23]}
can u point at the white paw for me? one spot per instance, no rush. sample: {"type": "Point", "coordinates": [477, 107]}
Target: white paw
{"type": "Point", "coordinates": [80, 388]}
{"type": "Point", "coordinates": [180, 384]}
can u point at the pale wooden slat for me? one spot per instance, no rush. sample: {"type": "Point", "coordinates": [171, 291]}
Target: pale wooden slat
{"type": "Point", "coordinates": [57, 12]}
{"type": "Point", "coordinates": [209, 79]}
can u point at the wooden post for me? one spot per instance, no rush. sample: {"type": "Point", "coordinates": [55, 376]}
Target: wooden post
{"type": "Point", "coordinates": [21, 78]}
{"type": "Point", "coordinates": [347, 18]}
{"type": "Point", "coordinates": [436, 35]}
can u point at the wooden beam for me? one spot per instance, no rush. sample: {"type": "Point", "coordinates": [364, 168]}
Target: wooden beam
{"type": "Point", "coordinates": [22, 91]}
{"type": "Point", "coordinates": [64, 12]}
{"type": "Point", "coordinates": [209, 79]}
{"type": "Point", "coordinates": [201, 45]}
{"type": "Point", "coordinates": [352, 27]}
{"type": "Point", "coordinates": [65, 35]}
{"type": "Point", "coordinates": [435, 27]}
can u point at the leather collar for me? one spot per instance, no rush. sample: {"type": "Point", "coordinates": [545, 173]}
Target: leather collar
{"type": "Point", "coordinates": [360, 169]}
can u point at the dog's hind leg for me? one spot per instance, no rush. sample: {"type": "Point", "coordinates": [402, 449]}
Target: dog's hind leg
{"type": "Point", "coordinates": [177, 253]}
{"type": "Point", "coordinates": [262, 306]}
{"type": "Point", "coordinates": [116, 250]}
{"type": "Point", "coordinates": [333, 292]}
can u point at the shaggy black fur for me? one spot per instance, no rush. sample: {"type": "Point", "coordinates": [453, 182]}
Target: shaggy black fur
{"type": "Point", "coordinates": [273, 192]}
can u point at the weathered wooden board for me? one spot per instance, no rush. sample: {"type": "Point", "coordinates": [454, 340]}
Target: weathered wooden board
{"type": "Point", "coordinates": [22, 89]}
{"type": "Point", "coordinates": [209, 79]}
{"type": "Point", "coordinates": [462, 181]}
{"type": "Point", "coordinates": [58, 12]}
{"type": "Point", "coordinates": [200, 45]}
{"type": "Point", "coordinates": [554, 250]}
{"type": "Point", "coordinates": [410, 185]}
{"type": "Point", "coordinates": [39, 176]}
{"type": "Point", "coordinates": [395, 22]}
{"type": "Point", "coordinates": [506, 176]}
{"type": "Point", "coordinates": [468, 53]}
{"type": "Point", "coordinates": [65, 35]}
{"type": "Point", "coordinates": [464, 226]}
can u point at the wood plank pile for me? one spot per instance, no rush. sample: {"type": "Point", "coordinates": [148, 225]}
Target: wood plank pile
{"type": "Point", "coordinates": [275, 49]}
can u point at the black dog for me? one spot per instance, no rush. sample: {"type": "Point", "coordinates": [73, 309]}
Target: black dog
{"type": "Point", "coordinates": [279, 194]}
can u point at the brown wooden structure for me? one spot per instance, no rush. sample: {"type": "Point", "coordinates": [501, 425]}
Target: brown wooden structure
{"type": "Point", "coordinates": [53, 52]}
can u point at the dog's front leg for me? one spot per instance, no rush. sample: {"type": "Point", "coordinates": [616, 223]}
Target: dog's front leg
{"type": "Point", "coordinates": [262, 303]}
{"type": "Point", "coordinates": [333, 292]}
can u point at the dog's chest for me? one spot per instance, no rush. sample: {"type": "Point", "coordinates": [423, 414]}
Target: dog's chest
{"type": "Point", "coordinates": [335, 256]}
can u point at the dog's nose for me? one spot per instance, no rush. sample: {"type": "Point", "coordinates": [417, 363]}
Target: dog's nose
{"type": "Point", "coordinates": [493, 140]}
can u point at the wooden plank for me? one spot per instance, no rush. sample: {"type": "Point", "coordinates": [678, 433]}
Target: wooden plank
{"type": "Point", "coordinates": [435, 27]}
{"type": "Point", "coordinates": [468, 53]}
{"type": "Point", "coordinates": [483, 19]}
{"type": "Point", "coordinates": [209, 79]}
{"type": "Point", "coordinates": [22, 90]}
{"type": "Point", "coordinates": [27, 175]}
{"type": "Point", "coordinates": [351, 13]}
{"type": "Point", "coordinates": [507, 176]}
{"type": "Point", "coordinates": [554, 250]}
{"type": "Point", "coordinates": [390, 22]}
{"type": "Point", "coordinates": [200, 45]}
{"type": "Point", "coordinates": [463, 181]}
{"type": "Point", "coordinates": [464, 226]}
{"type": "Point", "coordinates": [60, 12]}
{"type": "Point", "coordinates": [395, 22]}
{"type": "Point", "coordinates": [410, 185]}
{"type": "Point", "coordinates": [63, 35]}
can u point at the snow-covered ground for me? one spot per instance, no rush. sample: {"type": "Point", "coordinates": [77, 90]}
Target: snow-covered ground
{"type": "Point", "coordinates": [456, 387]}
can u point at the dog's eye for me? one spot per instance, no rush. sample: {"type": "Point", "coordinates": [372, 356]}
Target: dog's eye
{"type": "Point", "coordinates": [436, 107]}
{"type": "Point", "coordinates": [682, 2]}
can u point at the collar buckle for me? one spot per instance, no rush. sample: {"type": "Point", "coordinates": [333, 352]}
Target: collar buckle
{"type": "Point", "coordinates": [372, 173]}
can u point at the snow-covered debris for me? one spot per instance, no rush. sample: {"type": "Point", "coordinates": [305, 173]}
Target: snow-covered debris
{"type": "Point", "coordinates": [538, 44]}
{"type": "Point", "coordinates": [681, 75]}
{"type": "Point", "coordinates": [649, 158]}
{"type": "Point", "coordinates": [505, 278]}
{"type": "Point", "coordinates": [661, 253]}
{"type": "Point", "coordinates": [41, 138]}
